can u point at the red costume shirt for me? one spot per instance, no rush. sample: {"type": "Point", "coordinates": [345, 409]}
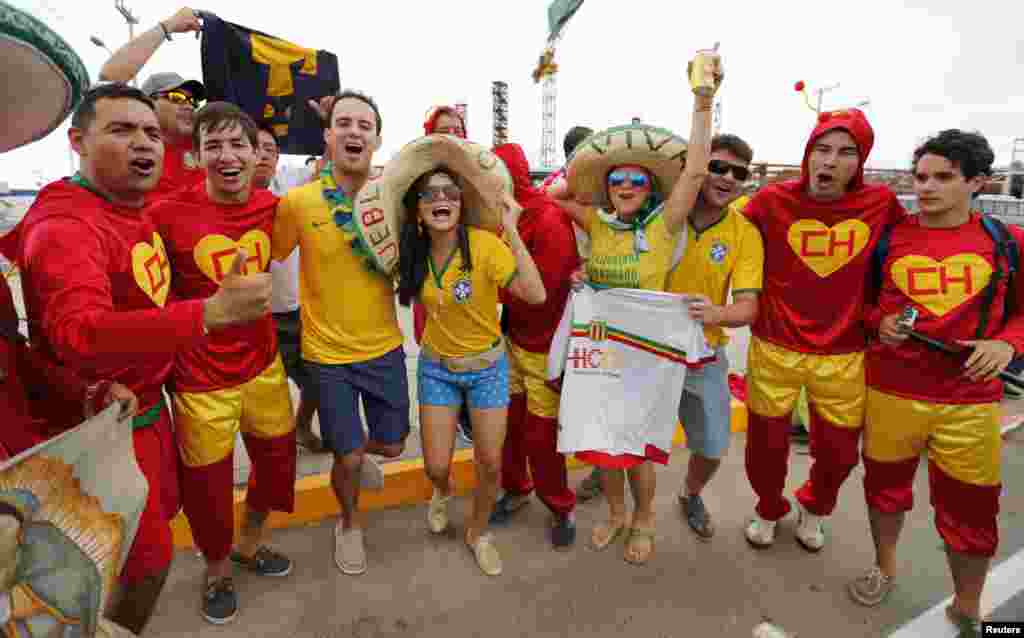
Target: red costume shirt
{"type": "Point", "coordinates": [96, 280]}
{"type": "Point", "coordinates": [181, 170]}
{"type": "Point", "coordinates": [941, 272]}
{"type": "Point", "coordinates": [548, 235]}
{"type": "Point", "coordinates": [817, 255]}
{"type": "Point", "coordinates": [202, 238]}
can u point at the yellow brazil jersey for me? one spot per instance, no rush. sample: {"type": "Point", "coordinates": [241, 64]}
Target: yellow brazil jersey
{"type": "Point", "coordinates": [348, 312]}
{"type": "Point", "coordinates": [615, 262]}
{"type": "Point", "coordinates": [727, 253]}
{"type": "Point", "coordinates": [462, 307]}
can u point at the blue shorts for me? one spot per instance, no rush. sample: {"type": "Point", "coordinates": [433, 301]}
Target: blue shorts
{"type": "Point", "coordinates": [705, 408]}
{"type": "Point", "coordinates": [482, 389]}
{"type": "Point", "coordinates": [383, 386]}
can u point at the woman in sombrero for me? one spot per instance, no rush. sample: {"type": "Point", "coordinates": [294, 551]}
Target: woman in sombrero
{"type": "Point", "coordinates": [454, 195]}
{"type": "Point", "coordinates": [646, 181]}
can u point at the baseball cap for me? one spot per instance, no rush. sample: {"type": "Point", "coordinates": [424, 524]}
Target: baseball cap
{"type": "Point", "coordinates": [160, 82]}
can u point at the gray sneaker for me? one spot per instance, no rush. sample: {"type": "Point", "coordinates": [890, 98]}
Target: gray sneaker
{"type": "Point", "coordinates": [871, 589]}
{"type": "Point", "coordinates": [220, 602]}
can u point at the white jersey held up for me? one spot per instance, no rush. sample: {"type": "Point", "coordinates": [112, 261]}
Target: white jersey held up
{"type": "Point", "coordinates": [624, 354]}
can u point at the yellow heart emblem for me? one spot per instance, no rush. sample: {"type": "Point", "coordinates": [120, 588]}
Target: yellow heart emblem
{"type": "Point", "coordinates": [215, 253]}
{"type": "Point", "coordinates": [827, 249]}
{"type": "Point", "coordinates": [941, 286]}
{"type": "Point", "coordinates": [151, 269]}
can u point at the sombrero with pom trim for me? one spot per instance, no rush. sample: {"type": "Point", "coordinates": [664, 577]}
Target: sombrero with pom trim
{"type": "Point", "coordinates": [660, 151]}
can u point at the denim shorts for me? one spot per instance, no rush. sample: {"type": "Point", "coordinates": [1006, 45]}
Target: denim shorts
{"type": "Point", "coordinates": [383, 386]}
{"type": "Point", "coordinates": [705, 408]}
{"type": "Point", "coordinates": [481, 389]}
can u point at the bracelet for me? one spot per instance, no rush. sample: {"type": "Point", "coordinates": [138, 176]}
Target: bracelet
{"type": "Point", "coordinates": [92, 391]}
{"type": "Point", "coordinates": [167, 35]}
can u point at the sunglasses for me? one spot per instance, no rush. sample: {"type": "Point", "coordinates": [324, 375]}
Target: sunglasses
{"type": "Point", "coordinates": [637, 180]}
{"type": "Point", "coordinates": [721, 167]}
{"type": "Point", "coordinates": [179, 98]}
{"type": "Point", "coordinates": [430, 195]}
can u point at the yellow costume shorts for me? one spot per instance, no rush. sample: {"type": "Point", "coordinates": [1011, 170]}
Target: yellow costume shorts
{"type": "Point", "coordinates": [962, 439]}
{"type": "Point", "coordinates": [835, 383]}
{"type": "Point", "coordinates": [528, 373]}
{"type": "Point", "coordinates": [208, 422]}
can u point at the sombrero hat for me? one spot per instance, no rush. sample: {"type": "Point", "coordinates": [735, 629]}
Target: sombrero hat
{"type": "Point", "coordinates": [378, 213]}
{"type": "Point", "coordinates": [43, 79]}
{"type": "Point", "coordinates": [660, 151]}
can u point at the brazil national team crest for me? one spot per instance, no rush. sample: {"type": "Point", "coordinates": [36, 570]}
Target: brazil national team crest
{"type": "Point", "coordinates": [462, 291]}
{"type": "Point", "coordinates": [718, 252]}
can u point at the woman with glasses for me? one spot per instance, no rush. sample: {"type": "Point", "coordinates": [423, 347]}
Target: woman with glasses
{"type": "Point", "coordinates": [647, 181]}
{"type": "Point", "coordinates": [455, 268]}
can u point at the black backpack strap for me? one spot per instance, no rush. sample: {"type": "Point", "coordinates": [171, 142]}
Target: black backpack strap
{"type": "Point", "coordinates": [878, 259]}
{"type": "Point", "coordinates": [1006, 252]}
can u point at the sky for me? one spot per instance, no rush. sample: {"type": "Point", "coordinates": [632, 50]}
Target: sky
{"type": "Point", "coordinates": [924, 65]}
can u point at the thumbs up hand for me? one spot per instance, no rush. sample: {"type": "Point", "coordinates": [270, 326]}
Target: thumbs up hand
{"type": "Point", "coordinates": [242, 298]}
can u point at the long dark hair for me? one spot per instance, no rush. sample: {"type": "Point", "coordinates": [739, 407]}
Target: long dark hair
{"type": "Point", "coordinates": [414, 241]}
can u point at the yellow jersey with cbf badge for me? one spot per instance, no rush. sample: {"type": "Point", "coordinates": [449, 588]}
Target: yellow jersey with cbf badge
{"type": "Point", "coordinates": [462, 306]}
{"type": "Point", "coordinates": [615, 261]}
{"type": "Point", "coordinates": [729, 253]}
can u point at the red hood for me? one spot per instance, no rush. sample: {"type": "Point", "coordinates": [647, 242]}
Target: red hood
{"type": "Point", "coordinates": [519, 168]}
{"type": "Point", "coordinates": [431, 123]}
{"type": "Point", "coordinates": [854, 122]}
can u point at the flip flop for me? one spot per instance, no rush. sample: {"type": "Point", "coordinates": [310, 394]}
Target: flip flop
{"type": "Point", "coordinates": [639, 534]}
{"type": "Point", "coordinates": [612, 537]}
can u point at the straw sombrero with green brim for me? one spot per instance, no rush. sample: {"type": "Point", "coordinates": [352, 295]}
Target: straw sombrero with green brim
{"type": "Point", "coordinates": [660, 151]}
{"type": "Point", "coordinates": [43, 79]}
{"type": "Point", "coordinates": [378, 213]}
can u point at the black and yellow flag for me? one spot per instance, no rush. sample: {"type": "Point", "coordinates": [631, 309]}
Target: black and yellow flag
{"type": "Point", "coordinates": [270, 79]}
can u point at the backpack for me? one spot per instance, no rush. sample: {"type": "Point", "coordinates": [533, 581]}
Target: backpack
{"type": "Point", "coordinates": [1007, 251]}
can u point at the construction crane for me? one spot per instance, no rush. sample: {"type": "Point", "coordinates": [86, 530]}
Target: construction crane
{"type": "Point", "coordinates": [559, 14]}
{"type": "Point", "coordinates": [547, 71]}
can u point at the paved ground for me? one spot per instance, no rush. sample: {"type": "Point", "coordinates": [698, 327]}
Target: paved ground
{"type": "Point", "coordinates": [423, 586]}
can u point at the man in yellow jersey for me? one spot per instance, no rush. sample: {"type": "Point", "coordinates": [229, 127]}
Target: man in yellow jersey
{"type": "Point", "coordinates": [724, 251]}
{"type": "Point", "coordinates": [351, 342]}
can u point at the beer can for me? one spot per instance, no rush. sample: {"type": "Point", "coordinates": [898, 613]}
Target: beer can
{"type": "Point", "coordinates": [908, 317]}
{"type": "Point", "coordinates": [701, 80]}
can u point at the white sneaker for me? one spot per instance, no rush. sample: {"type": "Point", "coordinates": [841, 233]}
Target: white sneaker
{"type": "Point", "coordinates": [809, 530]}
{"type": "Point", "coordinates": [371, 474]}
{"type": "Point", "coordinates": [759, 532]}
{"type": "Point", "coordinates": [437, 512]}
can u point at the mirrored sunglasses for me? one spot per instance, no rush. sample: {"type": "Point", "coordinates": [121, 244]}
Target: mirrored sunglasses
{"type": "Point", "coordinates": [637, 180]}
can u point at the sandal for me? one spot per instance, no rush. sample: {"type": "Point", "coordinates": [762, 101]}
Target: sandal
{"type": "Point", "coordinates": [639, 535]}
{"type": "Point", "coordinates": [610, 534]}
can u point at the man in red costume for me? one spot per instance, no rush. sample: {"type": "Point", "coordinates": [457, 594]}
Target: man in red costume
{"type": "Point", "coordinates": [236, 380]}
{"type": "Point", "coordinates": [944, 264]}
{"type": "Point", "coordinates": [96, 280]}
{"type": "Point", "coordinates": [176, 99]}
{"type": "Point", "coordinates": [819, 232]}
{"type": "Point", "coordinates": [533, 413]}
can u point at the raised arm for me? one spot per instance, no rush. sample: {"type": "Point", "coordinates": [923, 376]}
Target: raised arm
{"type": "Point", "coordinates": [683, 197]}
{"type": "Point", "coordinates": [127, 61]}
{"type": "Point", "coordinates": [527, 283]}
